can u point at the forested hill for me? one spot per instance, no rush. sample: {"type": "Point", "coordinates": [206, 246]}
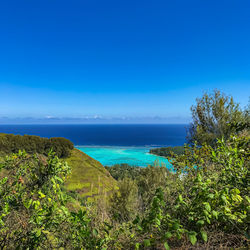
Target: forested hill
{"type": "Point", "coordinates": [10, 143]}
{"type": "Point", "coordinates": [167, 151]}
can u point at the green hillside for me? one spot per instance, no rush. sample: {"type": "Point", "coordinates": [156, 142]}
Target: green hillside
{"type": "Point", "coordinates": [88, 177]}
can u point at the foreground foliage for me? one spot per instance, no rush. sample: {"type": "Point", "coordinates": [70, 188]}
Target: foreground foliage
{"type": "Point", "coordinates": [207, 196]}
{"type": "Point", "coordinates": [204, 203]}
{"type": "Point", "coordinates": [33, 206]}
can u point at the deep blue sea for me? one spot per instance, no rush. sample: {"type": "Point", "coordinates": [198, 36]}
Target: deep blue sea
{"type": "Point", "coordinates": [107, 135]}
{"type": "Point", "coordinates": [111, 144]}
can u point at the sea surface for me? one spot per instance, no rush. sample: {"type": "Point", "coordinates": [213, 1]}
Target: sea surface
{"type": "Point", "coordinates": [134, 156]}
{"type": "Point", "coordinates": [112, 144]}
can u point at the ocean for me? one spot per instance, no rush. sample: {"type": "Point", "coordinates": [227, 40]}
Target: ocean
{"type": "Point", "coordinates": [112, 144]}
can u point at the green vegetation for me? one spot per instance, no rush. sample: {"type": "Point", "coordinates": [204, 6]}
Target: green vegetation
{"type": "Point", "coordinates": [33, 207]}
{"type": "Point", "coordinates": [216, 116]}
{"type": "Point", "coordinates": [120, 171]}
{"type": "Point", "coordinates": [88, 177]}
{"type": "Point", "coordinates": [167, 151]}
{"type": "Point", "coordinates": [10, 143]}
{"type": "Point", "coordinates": [203, 204]}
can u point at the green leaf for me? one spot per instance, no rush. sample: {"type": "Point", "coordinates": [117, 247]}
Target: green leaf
{"type": "Point", "coordinates": [168, 235]}
{"type": "Point", "coordinates": [180, 198]}
{"type": "Point", "coordinates": [215, 214]}
{"type": "Point", "coordinates": [210, 196]}
{"type": "Point", "coordinates": [204, 235]}
{"type": "Point", "coordinates": [158, 222]}
{"type": "Point", "coordinates": [59, 179]}
{"type": "Point", "coordinates": [213, 154]}
{"type": "Point", "coordinates": [207, 206]}
{"type": "Point", "coordinates": [200, 222]}
{"type": "Point", "coordinates": [95, 232]}
{"type": "Point", "coordinates": [27, 204]}
{"type": "Point", "coordinates": [147, 243]}
{"type": "Point", "coordinates": [208, 220]}
{"type": "Point", "coordinates": [224, 199]}
{"type": "Point", "coordinates": [248, 199]}
{"type": "Point", "coordinates": [1, 222]}
{"type": "Point", "coordinates": [237, 191]}
{"type": "Point", "coordinates": [176, 225]}
{"type": "Point", "coordinates": [192, 237]}
{"type": "Point", "coordinates": [42, 195]}
{"type": "Point", "coordinates": [166, 246]}
{"type": "Point", "coordinates": [38, 232]}
{"type": "Point", "coordinates": [137, 246]}
{"type": "Point", "coordinates": [4, 180]}
{"type": "Point", "coordinates": [178, 235]}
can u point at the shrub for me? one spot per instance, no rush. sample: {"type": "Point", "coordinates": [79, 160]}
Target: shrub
{"type": "Point", "coordinates": [211, 197]}
{"type": "Point", "coordinates": [124, 201]}
{"type": "Point", "coordinates": [33, 207]}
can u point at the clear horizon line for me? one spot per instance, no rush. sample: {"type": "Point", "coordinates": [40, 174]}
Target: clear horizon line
{"type": "Point", "coordinates": [6, 124]}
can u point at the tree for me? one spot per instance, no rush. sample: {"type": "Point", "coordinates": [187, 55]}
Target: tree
{"type": "Point", "coordinates": [215, 116]}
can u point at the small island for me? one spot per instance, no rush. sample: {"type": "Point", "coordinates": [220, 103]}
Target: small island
{"type": "Point", "coordinates": [168, 151]}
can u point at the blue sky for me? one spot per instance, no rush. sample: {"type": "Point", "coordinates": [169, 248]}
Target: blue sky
{"type": "Point", "coordinates": [141, 61]}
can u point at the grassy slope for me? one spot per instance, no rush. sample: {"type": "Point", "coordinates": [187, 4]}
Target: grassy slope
{"type": "Point", "coordinates": [88, 177]}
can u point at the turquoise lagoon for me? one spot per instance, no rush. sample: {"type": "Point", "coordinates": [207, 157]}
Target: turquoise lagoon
{"type": "Point", "coordinates": [134, 156]}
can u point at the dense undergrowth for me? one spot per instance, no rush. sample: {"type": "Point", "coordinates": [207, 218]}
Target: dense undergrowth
{"type": "Point", "coordinates": [204, 203]}
{"type": "Point", "coordinates": [33, 206]}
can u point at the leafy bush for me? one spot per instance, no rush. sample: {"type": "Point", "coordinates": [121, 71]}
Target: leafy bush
{"type": "Point", "coordinates": [211, 197]}
{"type": "Point", "coordinates": [34, 209]}
{"type": "Point", "coordinates": [204, 203]}
{"type": "Point", "coordinates": [124, 201]}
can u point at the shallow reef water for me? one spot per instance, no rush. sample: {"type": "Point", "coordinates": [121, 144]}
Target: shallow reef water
{"type": "Point", "coordinates": [134, 156]}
